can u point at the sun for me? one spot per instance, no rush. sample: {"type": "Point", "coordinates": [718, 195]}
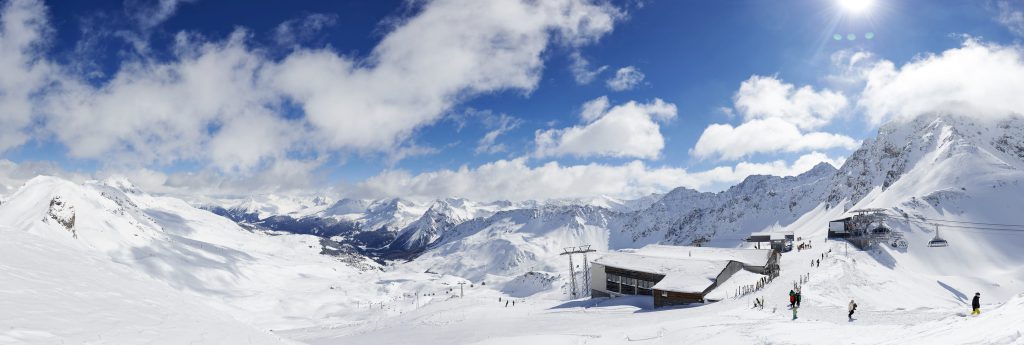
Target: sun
{"type": "Point", "coordinates": [856, 6]}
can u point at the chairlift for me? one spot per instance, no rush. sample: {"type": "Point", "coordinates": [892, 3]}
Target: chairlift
{"type": "Point", "coordinates": [938, 241]}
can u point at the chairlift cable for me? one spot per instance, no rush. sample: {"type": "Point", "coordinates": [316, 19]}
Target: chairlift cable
{"type": "Point", "coordinates": [961, 222]}
{"type": "Point", "coordinates": [956, 227]}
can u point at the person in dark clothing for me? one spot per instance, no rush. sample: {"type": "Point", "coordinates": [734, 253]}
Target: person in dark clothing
{"type": "Point", "coordinates": [819, 262]}
{"type": "Point", "coordinates": [851, 307]}
{"type": "Point", "coordinates": [506, 303]}
{"type": "Point", "coordinates": [976, 304]}
{"type": "Point", "coordinates": [798, 299]}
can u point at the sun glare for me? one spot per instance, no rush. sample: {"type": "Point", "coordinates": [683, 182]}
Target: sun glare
{"type": "Point", "coordinates": [856, 6]}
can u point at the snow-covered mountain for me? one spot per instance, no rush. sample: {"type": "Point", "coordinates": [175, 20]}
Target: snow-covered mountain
{"type": "Point", "coordinates": [442, 215]}
{"type": "Point", "coordinates": [934, 167]}
{"type": "Point", "coordinates": [74, 248]}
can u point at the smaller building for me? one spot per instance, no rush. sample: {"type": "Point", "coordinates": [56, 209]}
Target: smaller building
{"type": "Point", "coordinates": [840, 228]}
{"type": "Point", "coordinates": [779, 241]}
{"type": "Point", "coordinates": [675, 274]}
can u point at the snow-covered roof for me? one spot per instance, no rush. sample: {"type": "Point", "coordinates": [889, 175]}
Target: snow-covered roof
{"type": "Point", "coordinates": [728, 287]}
{"type": "Point", "coordinates": [693, 277]}
{"type": "Point", "coordinates": [681, 274]}
{"type": "Point", "coordinates": [748, 257]}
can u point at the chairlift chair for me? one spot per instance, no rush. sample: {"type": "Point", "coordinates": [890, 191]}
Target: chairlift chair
{"type": "Point", "coordinates": [938, 241]}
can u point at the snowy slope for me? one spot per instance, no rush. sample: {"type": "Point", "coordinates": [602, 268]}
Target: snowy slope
{"type": "Point", "coordinates": [175, 253]}
{"type": "Point", "coordinates": [58, 291]}
{"type": "Point", "coordinates": [108, 243]}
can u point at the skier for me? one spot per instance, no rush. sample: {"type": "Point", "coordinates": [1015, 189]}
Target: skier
{"type": "Point", "coordinates": [852, 307]}
{"type": "Point", "coordinates": [798, 299]}
{"type": "Point", "coordinates": [792, 298]}
{"type": "Point", "coordinates": [819, 262]}
{"type": "Point", "coordinates": [976, 304]}
{"type": "Point", "coordinates": [513, 303]}
{"type": "Point", "coordinates": [506, 303]}
{"type": "Point", "coordinates": [794, 313]}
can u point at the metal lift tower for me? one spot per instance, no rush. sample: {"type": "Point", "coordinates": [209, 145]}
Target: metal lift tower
{"type": "Point", "coordinates": [572, 268]}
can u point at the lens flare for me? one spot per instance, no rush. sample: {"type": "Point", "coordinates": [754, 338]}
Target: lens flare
{"type": "Point", "coordinates": [856, 6]}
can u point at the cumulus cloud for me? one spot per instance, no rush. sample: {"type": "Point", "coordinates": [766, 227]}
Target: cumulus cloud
{"type": "Point", "coordinates": [726, 175]}
{"type": "Point", "coordinates": [769, 135]}
{"type": "Point", "coordinates": [627, 130]}
{"type": "Point", "coordinates": [516, 180]}
{"type": "Point", "coordinates": [449, 51]}
{"type": "Point", "coordinates": [23, 32]}
{"type": "Point", "coordinates": [581, 71]}
{"type": "Point", "coordinates": [625, 78]}
{"type": "Point", "coordinates": [763, 97]}
{"type": "Point", "coordinates": [978, 79]}
{"type": "Point", "coordinates": [777, 117]}
{"type": "Point", "coordinates": [220, 103]}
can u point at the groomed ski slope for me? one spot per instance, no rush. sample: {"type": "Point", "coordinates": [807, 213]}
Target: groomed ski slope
{"type": "Point", "coordinates": [891, 310]}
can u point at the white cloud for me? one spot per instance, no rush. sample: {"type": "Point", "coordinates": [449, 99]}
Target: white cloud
{"type": "Point", "coordinates": [625, 78]}
{"type": "Point", "coordinates": [627, 130]}
{"type": "Point", "coordinates": [977, 79]}
{"type": "Point", "coordinates": [208, 105]}
{"type": "Point", "coordinates": [763, 97]}
{"type": "Point", "coordinates": [150, 15]}
{"type": "Point", "coordinates": [777, 117]}
{"type": "Point", "coordinates": [1010, 15]}
{"type": "Point", "coordinates": [728, 176]}
{"type": "Point", "coordinates": [299, 30]}
{"type": "Point", "coordinates": [220, 103]}
{"type": "Point", "coordinates": [449, 51]}
{"type": "Point", "coordinates": [581, 71]}
{"type": "Point", "coordinates": [515, 180]}
{"type": "Point", "coordinates": [498, 125]}
{"type": "Point", "coordinates": [23, 33]}
{"type": "Point", "coordinates": [770, 135]}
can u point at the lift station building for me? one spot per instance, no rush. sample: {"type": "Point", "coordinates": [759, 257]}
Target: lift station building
{"type": "Point", "coordinates": [674, 275]}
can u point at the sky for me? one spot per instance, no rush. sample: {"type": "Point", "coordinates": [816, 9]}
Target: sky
{"type": "Point", "coordinates": [487, 100]}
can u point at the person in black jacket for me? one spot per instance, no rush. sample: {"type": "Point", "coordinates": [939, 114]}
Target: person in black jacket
{"type": "Point", "coordinates": [976, 304]}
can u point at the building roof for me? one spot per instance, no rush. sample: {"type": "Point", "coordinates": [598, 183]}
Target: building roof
{"type": "Point", "coordinates": [728, 287]}
{"type": "Point", "coordinates": [681, 275]}
{"type": "Point", "coordinates": [748, 257]}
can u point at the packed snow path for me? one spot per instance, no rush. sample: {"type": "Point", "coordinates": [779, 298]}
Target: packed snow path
{"type": "Point", "coordinates": [822, 318]}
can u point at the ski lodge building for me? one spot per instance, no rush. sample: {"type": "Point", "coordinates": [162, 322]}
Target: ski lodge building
{"type": "Point", "coordinates": [676, 274]}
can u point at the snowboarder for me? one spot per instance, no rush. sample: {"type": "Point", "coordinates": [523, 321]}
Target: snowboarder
{"type": "Point", "coordinates": [852, 307]}
{"type": "Point", "coordinates": [792, 298]}
{"type": "Point", "coordinates": [798, 299]}
{"type": "Point", "coordinates": [976, 304]}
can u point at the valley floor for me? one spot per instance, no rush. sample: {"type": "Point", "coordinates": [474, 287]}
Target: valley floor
{"type": "Point", "coordinates": [479, 318]}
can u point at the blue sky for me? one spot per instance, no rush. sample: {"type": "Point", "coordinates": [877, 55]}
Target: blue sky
{"type": "Point", "coordinates": [344, 95]}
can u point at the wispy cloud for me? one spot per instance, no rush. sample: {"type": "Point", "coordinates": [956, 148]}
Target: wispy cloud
{"type": "Point", "coordinates": [625, 78]}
